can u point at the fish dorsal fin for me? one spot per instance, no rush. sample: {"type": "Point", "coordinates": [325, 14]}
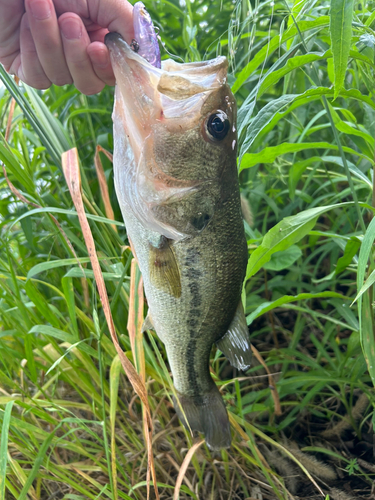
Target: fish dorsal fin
{"type": "Point", "coordinates": [164, 271]}
{"type": "Point", "coordinates": [148, 323]}
{"type": "Point", "coordinates": [236, 343]}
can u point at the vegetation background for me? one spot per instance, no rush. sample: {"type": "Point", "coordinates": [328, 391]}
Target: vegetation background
{"type": "Point", "coordinates": [303, 416]}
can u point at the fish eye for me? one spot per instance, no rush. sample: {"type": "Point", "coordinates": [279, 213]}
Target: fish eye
{"type": "Point", "coordinates": [218, 125]}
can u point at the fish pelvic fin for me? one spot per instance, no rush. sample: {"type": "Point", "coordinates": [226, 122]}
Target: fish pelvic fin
{"type": "Point", "coordinates": [206, 414]}
{"type": "Point", "coordinates": [236, 343]}
{"type": "Point", "coordinates": [148, 323]}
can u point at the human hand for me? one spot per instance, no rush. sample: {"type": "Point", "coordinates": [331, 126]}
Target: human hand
{"type": "Point", "coordinates": [62, 41]}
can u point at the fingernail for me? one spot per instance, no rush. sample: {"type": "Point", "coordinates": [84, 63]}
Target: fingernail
{"type": "Point", "coordinates": [40, 9]}
{"type": "Point", "coordinates": [100, 58]}
{"type": "Point", "coordinates": [71, 28]}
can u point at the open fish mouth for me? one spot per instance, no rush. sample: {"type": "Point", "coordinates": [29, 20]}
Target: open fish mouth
{"type": "Point", "coordinates": [152, 106]}
{"type": "Point", "coordinates": [152, 95]}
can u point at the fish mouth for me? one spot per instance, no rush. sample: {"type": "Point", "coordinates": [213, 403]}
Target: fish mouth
{"type": "Point", "coordinates": [136, 81]}
{"type": "Point", "coordinates": [151, 95]}
{"type": "Point", "coordinates": [150, 105]}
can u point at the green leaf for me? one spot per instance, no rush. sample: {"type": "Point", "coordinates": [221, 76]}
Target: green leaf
{"type": "Point", "coordinates": [296, 172]}
{"type": "Point", "coordinates": [367, 335]}
{"type": "Point", "coordinates": [114, 380]}
{"type": "Point", "coordinates": [51, 126]}
{"type": "Point", "coordinates": [365, 310]}
{"type": "Point", "coordinates": [351, 249]}
{"type": "Point", "coordinates": [41, 304]}
{"type": "Point", "coordinates": [4, 447]}
{"type": "Point", "coordinates": [64, 337]}
{"type": "Point", "coordinates": [53, 332]}
{"type": "Point", "coordinates": [284, 259]}
{"type": "Point", "coordinates": [292, 64]}
{"type": "Point", "coordinates": [247, 108]}
{"type": "Point", "coordinates": [54, 210]}
{"type": "Point", "coordinates": [368, 40]}
{"type": "Point", "coordinates": [262, 119]}
{"type": "Point", "coordinates": [364, 253]}
{"type": "Point", "coordinates": [76, 272]}
{"type": "Point", "coordinates": [41, 119]}
{"type": "Point", "coordinates": [353, 169]}
{"type": "Point", "coordinates": [37, 464]}
{"type": "Point", "coordinates": [53, 264]}
{"type": "Point", "coordinates": [78, 344]}
{"type": "Point", "coordinates": [269, 155]}
{"type": "Point", "coordinates": [369, 282]}
{"type": "Point", "coordinates": [14, 166]}
{"type": "Point", "coordinates": [285, 234]}
{"type": "Point", "coordinates": [312, 94]}
{"type": "Point", "coordinates": [67, 286]}
{"type": "Point", "coordinates": [287, 299]}
{"type": "Point", "coordinates": [341, 16]}
{"type": "Point", "coordinates": [276, 42]}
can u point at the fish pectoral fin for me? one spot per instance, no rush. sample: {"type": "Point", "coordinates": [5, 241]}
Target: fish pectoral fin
{"type": "Point", "coordinates": [164, 271]}
{"type": "Point", "coordinates": [235, 344]}
{"type": "Point", "coordinates": [148, 323]}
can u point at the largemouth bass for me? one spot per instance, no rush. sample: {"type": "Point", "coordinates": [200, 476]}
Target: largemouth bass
{"type": "Point", "coordinates": [176, 181]}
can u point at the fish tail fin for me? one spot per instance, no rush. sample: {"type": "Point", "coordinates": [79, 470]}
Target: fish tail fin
{"type": "Point", "coordinates": [206, 414]}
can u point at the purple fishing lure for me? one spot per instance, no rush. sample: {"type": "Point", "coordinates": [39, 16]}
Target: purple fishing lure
{"type": "Point", "coordinates": [145, 42]}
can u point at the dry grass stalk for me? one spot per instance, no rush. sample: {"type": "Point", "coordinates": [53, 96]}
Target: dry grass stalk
{"type": "Point", "coordinates": [71, 171]}
{"type": "Point", "coordinates": [11, 113]}
{"type": "Point", "coordinates": [271, 382]}
{"type": "Point", "coordinates": [184, 466]}
{"type": "Point", "coordinates": [134, 326]}
{"type": "Point", "coordinates": [103, 182]}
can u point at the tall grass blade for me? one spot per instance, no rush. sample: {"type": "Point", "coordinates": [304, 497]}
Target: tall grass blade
{"type": "Point", "coordinates": [341, 16]}
{"type": "Point", "coordinates": [41, 456]}
{"type": "Point", "coordinates": [4, 447]}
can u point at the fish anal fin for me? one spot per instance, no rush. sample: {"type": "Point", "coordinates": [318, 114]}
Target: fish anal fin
{"type": "Point", "coordinates": [148, 324]}
{"type": "Point", "coordinates": [236, 343]}
{"type": "Point", "coordinates": [207, 414]}
{"type": "Point", "coordinates": [164, 271]}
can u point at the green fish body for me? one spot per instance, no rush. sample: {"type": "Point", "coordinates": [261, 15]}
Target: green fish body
{"type": "Point", "coordinates": [177, 185]}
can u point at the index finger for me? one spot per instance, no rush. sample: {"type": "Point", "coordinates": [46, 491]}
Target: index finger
{"type": "Point", "coordinates": [114, 15]}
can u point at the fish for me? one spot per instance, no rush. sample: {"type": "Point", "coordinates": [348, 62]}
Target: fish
{"type": "Point", "coordinates": [175, 172]}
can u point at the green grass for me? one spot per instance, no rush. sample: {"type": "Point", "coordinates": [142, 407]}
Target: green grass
{"type": "Point", "coordinates": [71, 423]}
